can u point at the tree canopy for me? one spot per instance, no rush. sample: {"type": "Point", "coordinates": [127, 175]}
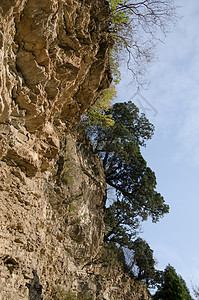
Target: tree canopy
{"type": "Point", "coordinates": [133, 182]}
{"type": "Point", "coordinates": [118, 132]}
{"type": "Point", "coordinates": [173, 287]}
{"type": "Point", "coordinates": [141, 262]}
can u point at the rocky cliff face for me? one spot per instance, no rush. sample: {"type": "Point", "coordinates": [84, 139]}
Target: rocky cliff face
{"type": "Point", "coordinates": [53, 65]}
{"type": "Point", "coordinates": [51, 224]}
{"type": "Point", "coordinates": [52, 231]}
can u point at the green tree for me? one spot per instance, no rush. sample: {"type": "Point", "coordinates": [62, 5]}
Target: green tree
{"type": "Point", "coordinates": [130, 128]}
{"type": "Point", "coordinates": [126, 171]}
{"type": "Point", "coordinates": [136, 26]}
{"type": "Point", "coordinates": [117, 217]}
{"type": "Point", "coordinates": [173, 287]}
{"type": "Point", "coordinates": [96, 115]}
{"type": "Point", "coordinates": [143, 262]}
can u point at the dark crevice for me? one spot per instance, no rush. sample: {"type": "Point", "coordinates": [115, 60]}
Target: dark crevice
{"type": "Point", "coordinates": [34, 287]}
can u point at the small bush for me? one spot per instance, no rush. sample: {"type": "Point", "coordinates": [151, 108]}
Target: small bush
{"type": "Point", "coordinates": [59, 293]}
{"type": "Point", "coordinates": [96, 114]}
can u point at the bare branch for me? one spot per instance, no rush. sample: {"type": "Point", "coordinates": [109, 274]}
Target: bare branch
{"type": "Point", "coordinates": [136, 28]}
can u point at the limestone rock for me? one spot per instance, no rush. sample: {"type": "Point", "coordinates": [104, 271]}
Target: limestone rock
{"type": "Point", "coordinates": [51, 224]}
{"type": "Point", "coordinates": [53, 66]}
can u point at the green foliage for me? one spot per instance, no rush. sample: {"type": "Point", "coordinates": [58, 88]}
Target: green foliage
{"type": "Point", "coordinates": [114, 65]}
{"type": "Point", "coordinates": [121, 30]}
{"type": "Point", "coordinates": [129, 127]}
{"type": "Point", "coordinates": [126, 171]}
{"type": "Point", "coordinates": [72, 209]}
{"type": "Point", "coordinates": [113, 256]}
{"type": "Point", "coordinates": [117, 216]}
{"type": "Point", "coordinates": [97, 114]}
{"type": "Point", "coordinates": [135, 185]}
{"type": "Point", "coordinates": [66, 175]}
{"type": "Point", "coordinates": [67, 179]}
{"type": "Point", "coordinates": [135, 28]}
{"type": "Point", "coordinates": [173, 287]}
{"type": "Point", "coordinates": [59, 293]}
{"type": "Point", "coordinates": [134, 188]}
{"type": "Point", "coordinates": [143, 262]}
{"type": "Point", "coordinates": [128, 21]}
{"type": "Point", "coordinates": [138, 262]}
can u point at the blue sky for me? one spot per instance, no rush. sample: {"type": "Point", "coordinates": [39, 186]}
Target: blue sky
{"type": "Point", "coordinates": [173, 152]}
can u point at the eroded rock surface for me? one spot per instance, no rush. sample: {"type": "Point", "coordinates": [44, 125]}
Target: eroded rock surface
{"type": "Point", "coordinates": [53, 66]}
{"type": "Point", "coordinates": [53, 223]}
{"type": "Point", "coordinates": [52, 231]}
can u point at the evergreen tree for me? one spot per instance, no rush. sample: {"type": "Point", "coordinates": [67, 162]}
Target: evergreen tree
{"type": "Point", "coordinates": [173, 287]}
{"type": "Point", "coordinates": [127, 172]}
{"type": "Point", "coordinates": [143, 261]}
